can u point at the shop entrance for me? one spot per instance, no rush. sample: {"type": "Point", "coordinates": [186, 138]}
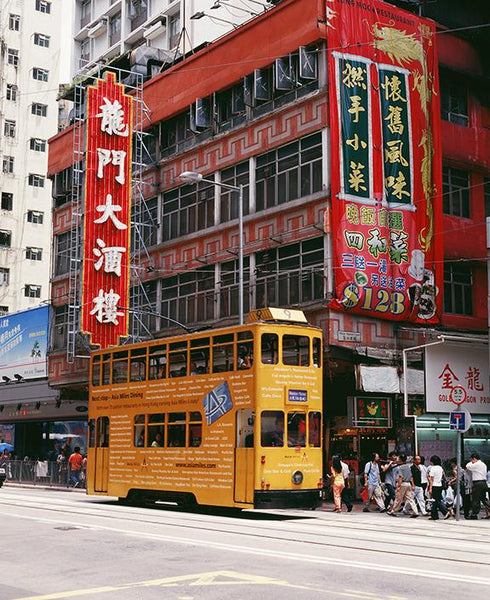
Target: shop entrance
{"type": "Point", "coordinates": [369, 443]}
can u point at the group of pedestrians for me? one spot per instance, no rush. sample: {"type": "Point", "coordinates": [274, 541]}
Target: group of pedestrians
{"type": "Point", "coordinates": [397, 485]}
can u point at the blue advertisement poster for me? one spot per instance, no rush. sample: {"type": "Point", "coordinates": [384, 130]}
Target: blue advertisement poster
{"type": "Point", "coordinates": [23, 344]}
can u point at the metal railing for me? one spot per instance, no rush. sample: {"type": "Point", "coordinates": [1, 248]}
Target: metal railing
{"type": "Point", "coordinates": [43, 472]}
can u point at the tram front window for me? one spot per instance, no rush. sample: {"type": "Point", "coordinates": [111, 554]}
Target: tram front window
{"type": "Point", "coordinates": [272, 428]}
{"type": "Point", "coordinates": [296, 429]}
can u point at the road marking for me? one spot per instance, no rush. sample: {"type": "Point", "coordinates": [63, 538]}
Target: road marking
{"type": "Point", "coordinates": [294, 556]}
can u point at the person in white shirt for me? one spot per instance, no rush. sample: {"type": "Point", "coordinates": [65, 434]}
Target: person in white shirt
{"type": "Point", "coordinates": [478, 470]}
{"type": "Point", "coordinates": [436, 473]}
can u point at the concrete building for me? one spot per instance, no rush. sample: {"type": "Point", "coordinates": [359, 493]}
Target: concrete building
{"type": "Point", "coordinates": [30, 59]}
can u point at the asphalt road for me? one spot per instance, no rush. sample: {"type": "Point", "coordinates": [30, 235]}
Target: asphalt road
{"type": "Point", "coordinates": [59, 545]}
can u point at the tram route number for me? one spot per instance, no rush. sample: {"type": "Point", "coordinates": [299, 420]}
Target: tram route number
{"type": "Point", "coordinates": [366, 298]}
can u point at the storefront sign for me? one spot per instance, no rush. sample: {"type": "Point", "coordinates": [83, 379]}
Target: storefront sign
{"type": "Point", "coordinates": [23, 344]}
{"type": "Point", "coordinates": [386, 174]}
{"type": "Point", "coordinates": [105, 295]}
{"type": "Point", "coordinates": [457, 371]}
{"type": "Point", "coordinates": [371, 412]}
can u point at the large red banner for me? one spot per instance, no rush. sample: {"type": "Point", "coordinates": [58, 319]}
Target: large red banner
{"type": "Point", "coordinates": [105, 294]}
{"type": "Point", "coordinates": [386, 175]}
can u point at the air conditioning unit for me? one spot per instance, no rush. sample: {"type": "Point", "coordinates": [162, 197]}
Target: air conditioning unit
{"type": "Point", "coordinates": [98, 29]}
{"type": "Point", "coordinates": [155, 30]}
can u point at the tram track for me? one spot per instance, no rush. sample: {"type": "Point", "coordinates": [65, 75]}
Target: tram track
{"type": "Point", "coordinates": [259, 531]}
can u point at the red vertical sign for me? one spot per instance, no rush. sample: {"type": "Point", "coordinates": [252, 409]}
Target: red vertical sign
{"type": "Point", "coordinates": [386, 161]}
{"type": "Point", "coordinates": [107, 213]}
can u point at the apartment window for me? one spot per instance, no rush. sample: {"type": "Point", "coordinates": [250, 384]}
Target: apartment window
{"type": "Point", "coordinates": [14, 22]}
{"type": "Point", "coordinates": [138, 12]}
{"type": "Point", "coordinates": [38, 109]}
{"type": "Point", "coordinates": [60, 327]}
{"type": "Point", "coordinates": [7, 200]}
{"type": "Point", "coordinates": [11, 93]}
{"type": "Point", "coordinates": [115, 29]}
{"type": "Point", "coordinates": [9, 128]}
{"type": "Point", "coordinates": [36, 180]}
{"type": "Point", "coordinates": [4, 310]}
{"type": "Point", "coordinates": [228, 287]}
{"type": "Point", "coordinates": [43, 6]}
{"type": "Point", "coordinates": [175, 132]}
{"type": "Point", "coordinates": [62, 253]}
{"type": "Point", "coordinates": [85, 50]}
{"type": "Point", "coordinates": [40, 74]}
{"type": "Point", "coordinates": [236, 175]}
{"type": "Point", "coordinates": [5, 238]}
{"type": "Point", "coordinates": [174, 30]}
{"type": "Point", "coordinates": [37, 145]}
{"type": "Point", "coordinates": [458, 283]}
{"type": "Point", "coordinates": [13, 57]}
{"type": "Point", "coordinates": [289, 172]}
{"type": "Point", "coordinates": [454, 100]}
{"type": "Point", "coordinates": [34, 253]}
{"type": "Point", "coordinates": [4, 276]}
{"type": "Point", "coordinates": [188, 209]}
{"type": "Point", "coordinates": [190, 296]}
{"type": "Point", "coordinates": [41, 40]}
{"type": "Point", "coordinates": [456, 192]}
{"type": "Point", "coordinates": [32, 291]}
{"type": "Point", "coordinates": [290, 275]}
{"type": "Point", "coordinates": [8, 165]}
{"type": "Point", "coordinates": [35, 216]}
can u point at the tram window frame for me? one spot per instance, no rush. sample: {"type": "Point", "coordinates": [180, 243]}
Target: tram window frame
{"type": "Point", "coordinates": [120, 362]}
{"type": "Point", "coordinates": [96, 368]}
{"type": "Point", "coordinates": [226, 362]}
{"type": "Point", "coordinates": [173, 360]}
{"type": "Point", "coordinates": [195, 429]}
{"type": "Point", "coordinates": [157, 362]}
{"type": "Point", "coordinates": [271, 355]}
{"type": "Point", "coordinates": [269, 436]}
{"type": "Point", "coordinates": [296, 350]}
{"type": "Point", "coordinates": [317, 352]}
{"type": "Point", "coordinates": [245, 348]}
{"type": "Point", "coordinates": [137, 364]}
{"type": "Point", "coordinates": [106, 369]}
{"type": "Point", "coordinates": [177, 430]}
{"type": "Point", "coordinates": [139, 429]}
{"type": "Point", "coordinates": [199, 359]}
{"type": "Point", "coordinates": [312, 414]}
{"type": "Point", "coordinates": [155, 425]}
{"type": "Point", "coordinates": [296, 438]}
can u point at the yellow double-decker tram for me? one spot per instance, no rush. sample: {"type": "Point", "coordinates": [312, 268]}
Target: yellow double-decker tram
{"type": "Point", "coordinates": [227, 417]}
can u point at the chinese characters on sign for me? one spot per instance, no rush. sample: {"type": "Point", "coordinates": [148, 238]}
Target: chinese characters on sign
{"type": "Point", "coordinates": [385, 175]}
{"type": "Point", "coordinates": [372, 412]}
{"type": "Point", "coordinates": [107, 212]}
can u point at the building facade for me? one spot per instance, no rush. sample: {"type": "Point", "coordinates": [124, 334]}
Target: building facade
{"type": "Point", "coordinates": [246, 123]}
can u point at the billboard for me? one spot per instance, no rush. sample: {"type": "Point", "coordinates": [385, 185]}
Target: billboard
{"type": "Point", "coordinates": [453, 366]}
{"type": "Point", "coordinates": [23, 343]}
{"type": "Point", "coordinates": [385, 161]}
{"type": "Point", "coordinates": [106, 241]}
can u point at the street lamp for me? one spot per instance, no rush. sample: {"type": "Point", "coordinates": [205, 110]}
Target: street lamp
{"type": "Point", "coordinates": [193, 177]}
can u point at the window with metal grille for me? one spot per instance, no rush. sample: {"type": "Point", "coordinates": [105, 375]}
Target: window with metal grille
{"type": "Point", "coordinates": [40, 74]}
{"type": "Point", "coordinates": [32, 291]}
{"type": "Point", "coordinates": [62, 253]}
{"type": "Point", "coordinates": [4, 276]}
{"type": "Point", "coordinates": [289, 172]}
{"type": "Point", "coordinates": [456, 192]}
{"type": "Point", "coordinates": [34, 253]}
{"type": "Point", "coordinates": [228, 287]}
{"type": "Point", "coordinates": [188, 209]}
{"type": "Point", "coordinates": [11, 92]}
{"type": "Point", "coordinates": [236, 175]}
{"type": "Point", "coordinates": [290, 275]}
{"type": "Point", "coordinates": [7, 200]}
{"type": "Point", "coordinates": [9, 128]}
{"type": "Point", "coordinates": [5, 238]}
{"type": "Point", "coordinates": [43, 6]}
{"type": "Point", "coordinates": [59, 327]}
{"type": "Point", "coordinates": [189, 297]}
{"type": "Point", "coordinates": [42, 40]}
{"type": "Point", "coordinates": [8, 165]}
{"type": "Point", "coordinates": [37, 145]}
{"type": "Point", "coordinates": [36, 180]}
{"type": "Point", "coordinates": [38, 109]}
{"type": "Point", "coordinates": [14, 22]}
{"type": "Point", "coordinates": [454, 99]}
{"type": "Point", "coordinates": [35, 216]}
{"type": "Point", "coordinates": [13, 57]}
{"type": "Point", "coordinates": [458, 289]}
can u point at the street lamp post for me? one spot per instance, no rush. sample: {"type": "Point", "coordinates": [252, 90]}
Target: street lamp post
{"type": "Point", "coordinates": [193, 177]}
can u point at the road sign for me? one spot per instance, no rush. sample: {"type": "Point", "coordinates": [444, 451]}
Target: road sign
{"type": "Point", "coordinates": [459, 420]}
{"type": "Point", "coordinates": [458, 394]}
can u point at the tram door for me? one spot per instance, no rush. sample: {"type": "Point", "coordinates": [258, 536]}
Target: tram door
{"type": "Point", "coordinates": [244, 456]}
{"type": "Point", "coordinates": [101, 467]}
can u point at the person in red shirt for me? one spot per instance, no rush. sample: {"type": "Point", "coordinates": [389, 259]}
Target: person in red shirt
{"type": "Point", "coordinates": [75, 461]}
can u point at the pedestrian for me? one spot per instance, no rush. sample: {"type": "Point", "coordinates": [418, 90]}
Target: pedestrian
{"type": "Point", "coordinates": [338, 484]}
{"type": "Point", "coordinates": [66, 449]}
{"type": "Point", "coordinates": [418, 491]}
{"type": "Point", "coordinates": [390, 478]}
{"type": "Point", "coordinates": [478, 470]}
{"type": "Point", "coordinates": [346, 492]}
{"type": "Point", "coordinates": [372, 482]}
{"type": "Point", "coordinates": [436, 474]}
{"type": "Point", "coordinates": [75, 461]}
{"type": "Point", "coordinates": [404, 488]}
{"type": "Point", "coordinates": [424, 475]}
{"type": "Point", "coordinates": [459, 490]}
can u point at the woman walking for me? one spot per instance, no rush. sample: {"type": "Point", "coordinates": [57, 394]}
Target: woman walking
{"type": "Point", "coordinates": [436, 474]}
{"type": "Point", "coordinates": [338, 483]}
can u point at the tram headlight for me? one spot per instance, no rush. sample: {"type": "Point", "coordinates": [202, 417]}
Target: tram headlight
{"type": "Point", "coordinates": [297, 477]}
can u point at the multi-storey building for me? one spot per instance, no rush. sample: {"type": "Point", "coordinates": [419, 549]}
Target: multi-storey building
{"type": "Point", "coordinates": [29, 80]}
{"type": "Point", "coordinates": [245, 122]}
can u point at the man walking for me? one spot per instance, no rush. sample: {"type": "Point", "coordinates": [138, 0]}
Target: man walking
{"type": "Point", "coordinates": [418, 491]}
{"type": "Point", "coordinates": [372, 482]}
{"type": "Point", "coordinates": [75, 461]}
{"type": "Point", "coordinates": [478, 470]}
{"type": "Point", "coordinates": [404, 489]}
{"type": "Point", "coordinates": [390, 477]}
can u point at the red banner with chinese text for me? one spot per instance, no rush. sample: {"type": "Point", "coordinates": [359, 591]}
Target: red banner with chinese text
{"type": "Point", "coordinates": [106, 242]}
{"type": "Point", "coordinates": [386, 173]}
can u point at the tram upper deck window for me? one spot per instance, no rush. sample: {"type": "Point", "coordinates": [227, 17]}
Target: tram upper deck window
{"type": "Point", "coordinates": [296, 350]}
{"type": "Point", "coordinates": [317, 352]}
{"type": "Point", "coordinates": [199, 363]}
{"type": "Point", "coordinates": [272, 428]}
{"type": "Point", "coordinates": [245, 354]}
{"type": "Point", "coordinates": [177, 364]}
{"type": "Point", "coordinates": [223, 353]}
{"type": "Point", "coordinates": [157, 362]}
{"type": "Point", "coordinates": [296, 429]}
{"type": "Point", "coordinates": [96, 370]}
{"type": "Point", "coordinates": [269, 343]}
{"type": "Point", "coordinates": [314, 429]}
{"type": "Point", "coordinates": [120, 367]}
{"type": "Point", "coordinates": [106, 369]}
{"type": "Point", "coordinates": [137, 371]}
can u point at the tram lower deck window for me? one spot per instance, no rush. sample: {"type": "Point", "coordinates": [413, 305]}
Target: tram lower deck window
{"type": "Point", "coordinates": [272, 428]}
{"type": "Point", "coordinates": [296, 429]}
